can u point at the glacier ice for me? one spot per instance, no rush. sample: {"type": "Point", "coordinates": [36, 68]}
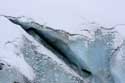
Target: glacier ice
{"type": "Point", "coordinates": [56, 56]}
{"type": "Point", "coordinates": [31, 62]}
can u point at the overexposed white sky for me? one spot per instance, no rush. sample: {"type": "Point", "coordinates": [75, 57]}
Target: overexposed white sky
{"type": "Point", "coordinates": [69, 14]}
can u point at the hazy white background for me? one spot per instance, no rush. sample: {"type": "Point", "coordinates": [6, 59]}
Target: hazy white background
{"type": "Point", "coordinates": [67, 14]}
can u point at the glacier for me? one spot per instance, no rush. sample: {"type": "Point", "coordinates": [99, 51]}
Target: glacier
{"type": "Point", "coordinates": [37, 53]}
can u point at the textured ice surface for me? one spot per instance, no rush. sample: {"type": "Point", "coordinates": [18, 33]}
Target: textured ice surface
{"type": "Point", "coordinates": [9, 37]}
{"type": "Point", "coordinates": [47, 69]}
{"type": "Point", "coordinates": [101, 52]}
{"type": "Point", "coordinates": [30, 61]}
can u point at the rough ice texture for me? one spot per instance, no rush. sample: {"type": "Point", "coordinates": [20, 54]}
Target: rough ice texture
{"type": "Point", "coordinates": [100, 51]}
{"type": "Point", "coordinates": [46, 69]}
{"type": "Point", "coordinates": [28, 61]}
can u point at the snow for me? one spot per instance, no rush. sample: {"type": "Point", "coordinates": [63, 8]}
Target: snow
{"type": "Point", "coordinates": [98, 51]}
{"type": "Point", "coordinates": [49, 53]}
{"type": "Point", "coordinates": [8, 34]}
{"type": "Point", "coordinates": [11, 42]}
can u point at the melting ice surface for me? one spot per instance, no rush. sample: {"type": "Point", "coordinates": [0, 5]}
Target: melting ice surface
{"type": "Point", "coordinates": [102, 54]}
